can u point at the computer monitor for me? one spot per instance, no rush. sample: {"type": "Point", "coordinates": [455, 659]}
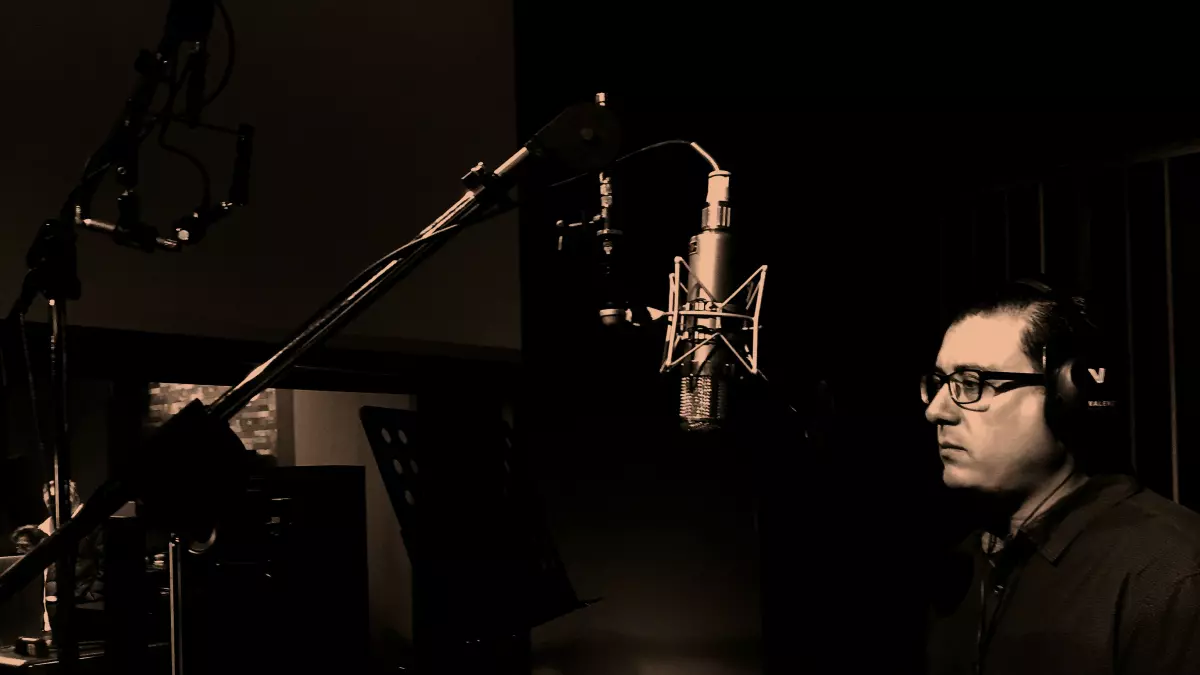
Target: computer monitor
{"type": "Point", "coordinates": [20, 615]}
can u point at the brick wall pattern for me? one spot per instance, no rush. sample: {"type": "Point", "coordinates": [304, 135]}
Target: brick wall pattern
{"type": "Point", "coordinates": [257, 424]}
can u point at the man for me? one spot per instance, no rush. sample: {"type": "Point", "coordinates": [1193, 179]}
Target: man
{"type": "Point", "coordinates": [1076, 568]}
{"type": "Point", "coordinates": [89, 573]}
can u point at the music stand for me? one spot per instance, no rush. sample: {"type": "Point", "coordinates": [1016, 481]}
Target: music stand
{"type": "Point", "coordinates": [485, 568]}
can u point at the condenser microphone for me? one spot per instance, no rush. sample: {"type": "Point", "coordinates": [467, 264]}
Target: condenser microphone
{"type": "Point", "coordinates": [712, 335]}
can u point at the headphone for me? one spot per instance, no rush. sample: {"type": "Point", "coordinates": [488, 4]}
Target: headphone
{"type": "Point", "coordinates": [1080, 388]}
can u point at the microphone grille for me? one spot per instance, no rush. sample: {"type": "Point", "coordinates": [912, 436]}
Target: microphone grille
{"type": "Point", "coordinates": [702, 402]}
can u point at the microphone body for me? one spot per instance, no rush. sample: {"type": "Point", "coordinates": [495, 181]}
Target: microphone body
{"type": "Point", "coordinates": [712, 320]}
{"type": "Point", "coordinates": [707, 374]}
{"type": "Point", "coordinates": [710, 370]}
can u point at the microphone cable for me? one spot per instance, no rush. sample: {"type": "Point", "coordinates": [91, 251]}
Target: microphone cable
{"type": "Point", "coordinates": [5, 371]}
{"type": "Point", "coordinates": [487, 214]}
{"type": "Point", "coordinates": [39, 439]}
{"type": "Point", "coordinates": [675, 141]}
{"type": "Point", "coordinates": [169, 108]}
{"type": "Point", "coordinates": [168, 112]}
{"type": "Point", "coordinates": [375, 267]}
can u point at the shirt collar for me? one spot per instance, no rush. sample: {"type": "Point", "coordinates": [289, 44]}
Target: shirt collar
{"type": "Point", "coordinates": [1052, 533]}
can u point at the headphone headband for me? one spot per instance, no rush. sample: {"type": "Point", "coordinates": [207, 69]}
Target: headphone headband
{"type": "Point", "coordinates": [1078, 310]}
{"type": "Point", "coordinates": [1078, 384]}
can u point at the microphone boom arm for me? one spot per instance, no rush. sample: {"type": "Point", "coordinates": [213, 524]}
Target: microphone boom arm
{"type": "Point", "coordinates": [205, 419]}
{"type": "Point", "coordinates": [481, 183]}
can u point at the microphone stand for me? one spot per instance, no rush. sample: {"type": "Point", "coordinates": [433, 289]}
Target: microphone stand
{"type": "Point", "coordinates": [52, 274]}
{"type": "Point", "coordinates": [194, 462]}
{"type": "Point", "coordinates": [51, 260]}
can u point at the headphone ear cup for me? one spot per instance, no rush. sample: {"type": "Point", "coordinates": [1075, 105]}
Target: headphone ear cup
{"type": "Point", "coordinates": [1081, 400]}
{"type": "Point", "coordinates": [1062, 398]}
{"type": "Point", "coordinates": [1065, 387]}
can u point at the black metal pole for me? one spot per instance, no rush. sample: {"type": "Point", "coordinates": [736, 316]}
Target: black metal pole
{"type": "Point", "coordinates": [175, 572]}
{"type": "Point", "coordinates": [63, 624]}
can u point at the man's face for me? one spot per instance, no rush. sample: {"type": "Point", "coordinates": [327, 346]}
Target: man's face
{"type": "Point", "coordinates": [24, 545]}
{"type": "Point", "coordinates": [1005, 442]}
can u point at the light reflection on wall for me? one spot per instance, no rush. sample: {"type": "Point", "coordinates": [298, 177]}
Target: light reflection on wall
{"type": "Point", "coordinates": [257, 424]}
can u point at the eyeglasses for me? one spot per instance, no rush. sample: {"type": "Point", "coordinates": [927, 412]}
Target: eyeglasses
{"type": "Point", "coordinates": [968, 385]}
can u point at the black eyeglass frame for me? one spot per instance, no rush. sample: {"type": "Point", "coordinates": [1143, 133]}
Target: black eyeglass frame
{"type": "Point", "coordinates": [1011, 381]}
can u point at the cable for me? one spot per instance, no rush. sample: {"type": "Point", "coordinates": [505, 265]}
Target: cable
{"type": "Point", "coordinates": [169, 108]}
{"type": "Point", "coordinates": [229, 62]}
{"type": "Point", "coordinates": [676, 141]}
{"type": "Point", "coordinates": [168, 112]}
{"type": "Point", "coordinates": [705, 155]}
{"type": "Point", "coordinates": [379, 264]}
{"type": "Point", "coordinates": [37, 420]}
{"type": "Point", "coordinates": [3, 362]}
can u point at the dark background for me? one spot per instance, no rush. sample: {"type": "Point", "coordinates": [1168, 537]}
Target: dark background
{"type": "Point", "coordinates": [879, 192]}
{"type": "Point", "coordinates": [877, 214]}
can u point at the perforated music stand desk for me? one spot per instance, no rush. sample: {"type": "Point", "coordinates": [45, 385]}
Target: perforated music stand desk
{"type": "Point", "coordinates": [483, 559]}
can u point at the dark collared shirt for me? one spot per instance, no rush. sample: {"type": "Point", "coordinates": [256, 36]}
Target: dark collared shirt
{"type": "Point", "coordinates": [1106, 582]}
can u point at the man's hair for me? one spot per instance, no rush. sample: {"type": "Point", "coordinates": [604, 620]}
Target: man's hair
{"type": "Point", "coordinates": [34, 533]}
{"type": "Point", "coordinates": [1049, 320]}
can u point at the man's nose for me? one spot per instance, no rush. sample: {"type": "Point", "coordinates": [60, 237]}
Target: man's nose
{"type": "Point", "coordinates": [942, 409]}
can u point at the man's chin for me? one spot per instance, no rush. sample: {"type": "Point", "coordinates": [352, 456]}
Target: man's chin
{"type": "Point", "coordinates": [970, 486]}
{"type": "Point", "coordinates": [956, 478]}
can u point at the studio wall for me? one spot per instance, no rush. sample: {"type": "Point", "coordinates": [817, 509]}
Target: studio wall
{"type": "Point", "coordinates": [328, 432]}
{"type": "Point", "coordinates": [367, 113]}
